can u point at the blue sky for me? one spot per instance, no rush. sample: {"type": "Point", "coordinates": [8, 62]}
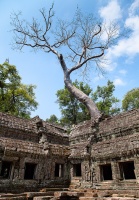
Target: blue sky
{"type": "Point", "coordinates": [43, 69]}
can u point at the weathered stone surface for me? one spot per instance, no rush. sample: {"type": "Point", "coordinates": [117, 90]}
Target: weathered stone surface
{"type": "Point", "coordinates": [42, 198]}
{"type": "Point", "coordinates": [104, 157]}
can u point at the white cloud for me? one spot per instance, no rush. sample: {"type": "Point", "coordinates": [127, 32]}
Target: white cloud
{"type": "Point", "coordinates": [123, 72]}
{"type": "Point", "coordinates": [129, 46]}
{"type": "Point", "coordinates": [109, 66]}
{"type": "Point", "coordinates": [119, 82]}
{"type": "Point", "coordinates": [98, 78]}
{"type": "Point", "coordinates": [111, 12]}
{"type": "Point", "coordinates": [133, 23]}
{"type": "Point", "coordinates": [134, 6]}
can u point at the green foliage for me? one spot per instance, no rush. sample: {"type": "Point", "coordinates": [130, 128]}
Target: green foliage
{"type": "Point", "coordinates": [53, 119]}
{"type": "Point", "coordinates": [72, 110]}
{"type": "Point", "coordinates": [104, 99]}
{"type": "Point", "coordinates": [15, 98]}
{"type": "Point", "coordinates": [131, 100]}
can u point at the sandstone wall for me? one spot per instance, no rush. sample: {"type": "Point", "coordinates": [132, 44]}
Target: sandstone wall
{"type": "Point", "coordinates": [110, 145]}
{"type": "Point", "coordinates": [95, 155]}
{"type": "Point", "coordinates": [29, 153]}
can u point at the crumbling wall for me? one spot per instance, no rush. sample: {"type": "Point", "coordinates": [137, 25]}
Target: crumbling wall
{"type": "Point", "coordinates": [35, 154]}
{"type": "Point", "coordinates": [17, 128]}
{"type": "Point", "coordinates": [106, 150]}
{"type": "Point", "coordinates": [30, 150]}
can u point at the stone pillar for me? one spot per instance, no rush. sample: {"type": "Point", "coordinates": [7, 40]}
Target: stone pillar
{"type": "Point", "coordinates": [0, 166]}
{"type": "Point", "coordinates": [66, 170]}
{"type": "Point", "coordinates": [60, 170]}
{"type": "Point", "coordinates": [115, 171]}
{"type": "Point", "coordinates": [12, 171]}
{"type": "Point", "coordinates": [71, 170]}
{"type": "Point", "coordinates": [21, 168]}
{"type": "Point", "coordinates": [86, 171]}
{"type": "Point", "coordinates": [97, 173]}
{"type": "Point", "coordinates": [136, 165]}
{"type": "Point", "coordinates": [93, 174]}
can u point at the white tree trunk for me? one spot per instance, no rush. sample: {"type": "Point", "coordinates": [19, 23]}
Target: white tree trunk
{"type": "Point", "coordinates": [82, 97]}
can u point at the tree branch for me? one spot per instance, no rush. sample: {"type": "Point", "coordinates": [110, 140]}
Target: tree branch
{"type": "Point", "coordinates": [85, 61]}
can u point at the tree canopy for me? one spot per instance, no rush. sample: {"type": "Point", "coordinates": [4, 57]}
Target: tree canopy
{"type": "Point", "coordinates": [131, 100]}
{"type": "Point", "coordinates": [16, 98]}
{"type": "Point", "coordinates": [105, 100]}
{"type": "Point", "coordinates": [83, 41]}
{"type": "Point", "coordinates": [53, 119]}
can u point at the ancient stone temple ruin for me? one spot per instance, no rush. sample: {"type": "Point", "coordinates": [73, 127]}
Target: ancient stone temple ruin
{"type": "Point", "coordinates": [41, 159]}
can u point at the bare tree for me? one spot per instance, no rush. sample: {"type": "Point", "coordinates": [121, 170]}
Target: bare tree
{"type": "Point", "coordinates": [83, 40]}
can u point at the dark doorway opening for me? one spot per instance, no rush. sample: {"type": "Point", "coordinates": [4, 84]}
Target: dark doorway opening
{"type": "Point", "coordinates": [106, 172]}
{"type": "Point", "coordinates": [77, 170]}
{"type": "Point", "coordinates": [59, 170]}
{"type": "Point", "coordinates": [29, 171]}
{"type": "Point", "coordinates": [127, 170]}
{"type": "Point", "coordinates": [56, 170]}
{"type": "Point", "coordinates": [6, 169]}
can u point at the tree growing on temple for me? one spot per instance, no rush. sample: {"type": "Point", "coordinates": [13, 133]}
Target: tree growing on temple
{"type": "Point", "coordinates": [16, 98]}
{"type": "Point", "coordinates": [72, 110]}
{"type": "Point", "coordinates": [78, 44]}
{"type": "Point", "coordinates": [131, 100]}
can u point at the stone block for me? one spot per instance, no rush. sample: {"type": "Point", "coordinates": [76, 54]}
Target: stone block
{"type": "Point", "coordinates": [43, 198]}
